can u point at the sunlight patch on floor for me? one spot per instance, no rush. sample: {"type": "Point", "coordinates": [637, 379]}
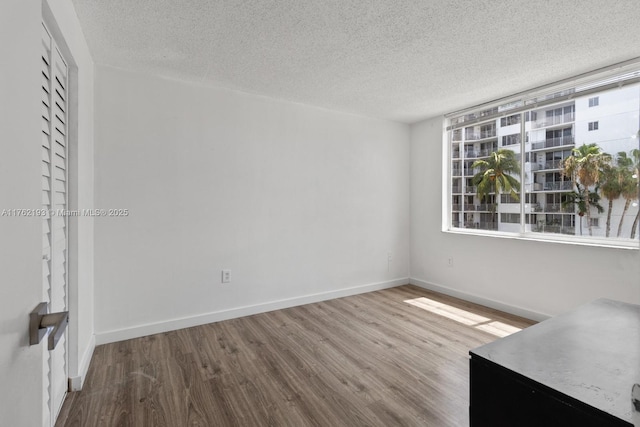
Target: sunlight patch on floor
{"type": "Point", "coordinates": [453, 313]}
{"type": "Point", "coordinates": [465, 317]}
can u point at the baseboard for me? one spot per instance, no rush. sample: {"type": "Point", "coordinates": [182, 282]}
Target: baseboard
{"type": "Point", "coordinates": [76, 383]}
{"type": "Point", "coordinates": [187, 322]}
{"type": "Point", "coordinates": [498, 305]}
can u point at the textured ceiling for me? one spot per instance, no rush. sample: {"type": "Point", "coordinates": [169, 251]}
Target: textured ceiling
{"type": "Point", "coordinates": [400, 60]}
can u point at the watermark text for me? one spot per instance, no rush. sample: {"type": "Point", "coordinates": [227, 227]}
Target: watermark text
{"type": "Point", "coordinates": [48, 213]}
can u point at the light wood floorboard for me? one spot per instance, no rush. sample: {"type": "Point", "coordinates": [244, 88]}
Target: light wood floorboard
{"type": "Point", "coordinates": [365, 360]}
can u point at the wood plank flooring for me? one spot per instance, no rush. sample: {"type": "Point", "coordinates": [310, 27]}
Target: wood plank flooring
{"type": "Point", "coordinates": [366, 360]}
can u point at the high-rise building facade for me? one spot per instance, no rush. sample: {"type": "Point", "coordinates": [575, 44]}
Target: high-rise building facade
{"type": "Point", "coordinates": [541, 140]}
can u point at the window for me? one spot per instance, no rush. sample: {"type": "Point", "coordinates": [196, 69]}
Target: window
{"type": "Point", "coordinates": [510, 120]}
{"type": "Point", "coordinates": [538, 185]}
{"type": "Point", "coordinates": [510, 218]}
{"type": "Point", "coordinates": [511, 139]}
{"type": "Point", "coordinates": [508, 198]}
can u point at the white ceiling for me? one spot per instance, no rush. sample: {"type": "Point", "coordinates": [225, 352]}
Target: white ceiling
{"type": "Point", "coordinates": [403, 60]}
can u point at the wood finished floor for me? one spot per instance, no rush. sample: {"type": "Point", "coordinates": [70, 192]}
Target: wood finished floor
{"type": "Point", "coordinates": [366, 360]}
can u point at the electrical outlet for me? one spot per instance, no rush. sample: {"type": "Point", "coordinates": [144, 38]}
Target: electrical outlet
{"type": "Point", "coordinates": [226, 276]}
{"type": "Point", "coordinates": [450, 262]}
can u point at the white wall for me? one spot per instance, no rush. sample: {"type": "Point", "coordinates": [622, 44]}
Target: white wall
{"type": "Point", "coordinates": [300, 203]}
{"type": "Point", "coordinates": [21, 365]}
{"type": "Point", "coordinates": [526, 277]}
{"type": "Point", "coordinates": [21, 243]}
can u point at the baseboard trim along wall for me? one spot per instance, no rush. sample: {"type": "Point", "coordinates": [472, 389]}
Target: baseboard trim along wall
{"type": "Point", "coordinates": [76, 383]}
{"type": "Point", "coordinates": [507, 308]}
{"type": "Point", "coordinates": [187, 322]}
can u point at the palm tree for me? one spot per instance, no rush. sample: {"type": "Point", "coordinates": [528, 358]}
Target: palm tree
{"type": "Point", "coordinates": [585, 166]}
{"type": "Point", "coordinates": [635, 153]}
{"type": "Point", "coordinates": [582, 204]}
{"type": "Point", "coordinates": [495, 175]}
{"type": "Point", "coordinates": [611, 189]}
{"type": "Point", "coordinates": [628, 185]}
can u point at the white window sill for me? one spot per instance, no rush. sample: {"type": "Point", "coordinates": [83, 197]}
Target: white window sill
{"type": "Point", "coordinates": [535, 237]}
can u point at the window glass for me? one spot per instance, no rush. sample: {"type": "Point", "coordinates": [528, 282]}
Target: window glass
{"type": "Point", "coordinates": [544, 171]}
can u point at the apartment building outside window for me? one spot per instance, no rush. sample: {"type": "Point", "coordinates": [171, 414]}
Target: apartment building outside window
{"type": "Point", "coordinates": [541, 172]}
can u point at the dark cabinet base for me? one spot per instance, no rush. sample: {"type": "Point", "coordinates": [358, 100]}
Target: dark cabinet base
{"type": "Point", "coordinates": [503, 398]}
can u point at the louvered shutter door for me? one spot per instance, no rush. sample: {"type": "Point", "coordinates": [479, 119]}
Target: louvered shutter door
{"type": "Point", "coordinates": [54, 198]}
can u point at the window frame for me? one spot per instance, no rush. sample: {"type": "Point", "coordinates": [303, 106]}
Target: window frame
{"type": "Point", "coordinates": [528, 110]}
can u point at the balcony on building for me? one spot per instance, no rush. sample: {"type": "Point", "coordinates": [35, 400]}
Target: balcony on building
{"type": "Point", "coordinates": [561, 141]}
{"type": "Point", "coordinates": [471, 171]}
{"type": "Point", "coordinates": [486, 152]}
{"type": "Point", "coordinates": [551, 186]}
{"type": "Point", "coordinates": [553, 207]}
{"type": "Point", "coordinates": [478, 135]}
{"type": "Point", "coordinates": [558, 186]}
{"type": "Point", "coordinates": [471, 154]}
{"type": "Point", "coordinates": [509, 199]}
{"type": "Point", "coordinates": [555, 117]}
{"type": "Point", "coordinates": [552, 164]}
{"type": "Point", "coordinates": [485, 207]}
